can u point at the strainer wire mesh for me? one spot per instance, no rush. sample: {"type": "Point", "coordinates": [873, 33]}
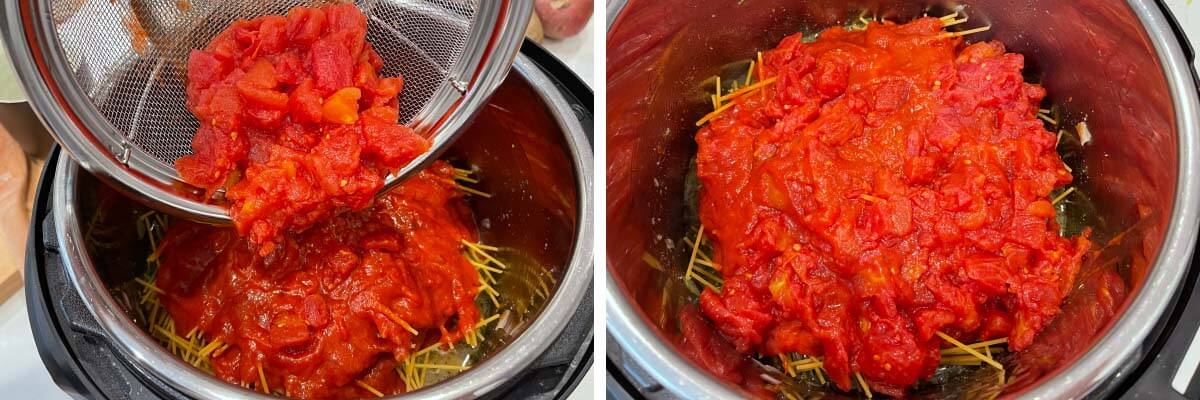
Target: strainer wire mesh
{"type": "Point", "coordinates": [129, 56]}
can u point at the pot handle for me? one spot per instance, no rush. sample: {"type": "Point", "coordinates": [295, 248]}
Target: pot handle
{"type": "Point", "coordinates": [1188, 51]}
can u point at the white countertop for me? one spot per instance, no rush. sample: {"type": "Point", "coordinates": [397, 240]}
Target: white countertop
{"type": "Point", "coordinates": [22, 375]}
{"type": "Point", "coordinates": [577, 51]}
{"type": "Point", "coordinates": [1189, 18]}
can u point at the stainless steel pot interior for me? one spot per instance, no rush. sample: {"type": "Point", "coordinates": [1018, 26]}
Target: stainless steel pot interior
{"type": "Point", "coordinates": [536, 163]}
{"type": "Point", "coordinates": [1115, 64]}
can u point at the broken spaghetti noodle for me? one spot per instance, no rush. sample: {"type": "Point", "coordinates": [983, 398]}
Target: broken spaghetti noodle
{"type": "Point", "coordinates": [414, 369]}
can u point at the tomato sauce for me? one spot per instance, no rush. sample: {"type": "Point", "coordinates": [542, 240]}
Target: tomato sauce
{"type": "Point", "coordinates": [891, 183]}
{"type": "Point", "coordinates": [325, 309]}
{"type": "Point", "coordinates": [295, 122]}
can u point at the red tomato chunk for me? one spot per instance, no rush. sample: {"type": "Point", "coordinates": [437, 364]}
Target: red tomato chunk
{"type": "Point", "coordinates": [323, 311]}
{"type": "Point", "coordinates": [295, 122]}
{"type": "Point", "coordinates": [890, 184]}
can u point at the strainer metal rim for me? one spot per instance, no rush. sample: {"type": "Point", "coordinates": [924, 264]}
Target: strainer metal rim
{"type": "Point", "coordinates": [148, 357]}
{"type": "Point", "coordinates": [83, 130]}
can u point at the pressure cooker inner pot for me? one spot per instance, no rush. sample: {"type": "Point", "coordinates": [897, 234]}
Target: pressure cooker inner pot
{"type": "Point", "coordinates": [518, 147]}
{"type": "Point", "coordinates": [1094, 58]}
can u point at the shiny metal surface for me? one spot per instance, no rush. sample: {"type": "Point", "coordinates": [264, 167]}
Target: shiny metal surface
{"type": "Point", "coordinates": [474, 87]}
{"type": "Point", "coordinates": [550, 196]}
{"type": "Point", "coordinates": [114, 98]}
{"type": "Point", "coordinates": [1116, 64]}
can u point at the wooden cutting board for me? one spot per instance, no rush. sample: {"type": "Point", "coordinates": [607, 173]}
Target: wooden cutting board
{"type": "Point", "coordinates": [14, 213]}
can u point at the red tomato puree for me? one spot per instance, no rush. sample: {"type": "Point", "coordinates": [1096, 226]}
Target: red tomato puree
{"type": "Point", "coordinates": [325, 309]}
{"type": "Point", "coordinates": [295, 122]}
{"type": "Point", "coordinates": [891, 183]}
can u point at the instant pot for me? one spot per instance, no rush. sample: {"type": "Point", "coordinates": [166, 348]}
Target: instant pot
{"type": "Point", "coordinates": [533, 142]}
{"type": "Point", "coordinates": [1124, 67]}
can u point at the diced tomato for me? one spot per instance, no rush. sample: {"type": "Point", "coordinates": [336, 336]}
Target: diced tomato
{"type": "Point", "coordinates": [332, 66]}
{"type": "Point", "coordinates": [198, 172]}
{"type": "Point", "coordinates": [341, 107]}
{"type": "Point", "coordinates": [266, 98]}
{"type": "Point", "coordinates": [289, 69]}
{"type": "Point", "coordinates": [272, 34]}
{"type": "Point", "coordinates": [889, 184]}
{"type": "Point", "coordinates": [364, 74]}
{"type": "Point", "coordinates": [264, 118]}
{"type": "Point", "coordinates": [279, 100]}
{"type": "Point", "coordinates": [345, 16]}
{"type": "Point", "coordinates": [260, 75]}
{"type": "Point", "coordinates": [339, 150]}
{"type": "Point", "coordinates": [380, 115]}
{"type": "Point", "coordinates": [387, 89]}
{"type": "Point", "coordinates": [314, 317]}
{"type": "Point", "coordinates": [289, 330]}
{"type": "Point", "coordinates": [204, 69]}
{"type": "Point", "coordinates": [305, 103]}
{"type": "Point", "coordinates": [703, 345]}
{"type": "Point", "coordinates": [223, 109]}
{"type": "Point", "coordinates": [373, 58]}
{"type": "Point", "coordinates": [214, 148]}
{"type": "Point", "coordinates": [391, 143]}
{"type": "Point", "coordinates": [316, 313]}
{"type": "Point", "coordinates": [305, 25]}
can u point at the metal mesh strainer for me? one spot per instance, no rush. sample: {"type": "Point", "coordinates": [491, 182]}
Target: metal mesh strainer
{"type": "Point", "coordinates": [119, 67]}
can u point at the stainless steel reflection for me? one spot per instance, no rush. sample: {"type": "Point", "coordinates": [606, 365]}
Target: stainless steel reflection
{"type": "Point", "coordinates": [473, 87]}
{"type": "Point", "coordinates": [567, 242]}
{"type": "Point", "coordinates": [1115, 63]}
